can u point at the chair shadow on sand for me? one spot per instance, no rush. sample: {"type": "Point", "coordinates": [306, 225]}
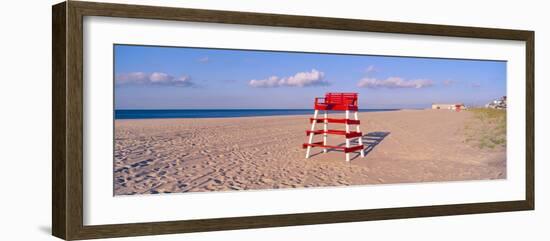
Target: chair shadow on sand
{"type": "Point", "coordinates": [370, 141]}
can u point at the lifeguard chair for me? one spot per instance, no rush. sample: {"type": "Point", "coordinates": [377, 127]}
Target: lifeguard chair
{"type": "Point", "coordinates": [336, 102]}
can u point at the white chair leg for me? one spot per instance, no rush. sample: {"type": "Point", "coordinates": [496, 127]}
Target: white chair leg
{"type": "Point", "coordinates": [347, 140]}
{"type": "Point", "coordinates": [325, 128]}
{"type": "Point", "coordinates": [362, 149]}
{"type": "Point", "coordinates": [307, 152]}
{"type": "Point", "coordinates": [311, 134]}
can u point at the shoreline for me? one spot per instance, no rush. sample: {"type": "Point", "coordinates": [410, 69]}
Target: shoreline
{"type": "Point", "coordinates": [228, 113]}
{"type": "Point", "coordinates": [267, 115]}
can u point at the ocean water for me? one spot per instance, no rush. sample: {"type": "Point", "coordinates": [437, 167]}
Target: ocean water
{"type": "Point", "coordinates": [215, 113]}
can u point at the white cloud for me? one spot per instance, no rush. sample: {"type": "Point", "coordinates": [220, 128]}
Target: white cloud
{"type": "Point", "coordinates": [371, 69]}
{"type": "Point", "coordinates": [204, 59]}
{"type": "Point", "coordinates": [301, 79]}
{"type": "Point", "coordinates": [475, 84]}
{"type": "Point", "coordinates": [155, 78]}
{"type": "Point", "coordinates": [394, 82]}
{"type": "Point", "coordinates": [272, 81]}
{"type": "Point", "coordinates": [134, 77]}
{"type": "Point", "coordinates": [158, 77]}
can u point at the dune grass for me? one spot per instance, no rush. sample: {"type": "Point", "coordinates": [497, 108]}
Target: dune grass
{"type": "Point", "coordinates": [488, 129]}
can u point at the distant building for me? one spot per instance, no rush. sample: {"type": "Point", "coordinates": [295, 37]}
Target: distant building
{"type": "Point", "coordinates": [456, 106]}
{"type": "Point", "coordinates": [498, 103]}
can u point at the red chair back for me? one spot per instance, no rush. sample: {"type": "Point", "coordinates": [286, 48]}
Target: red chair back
{"type": "Point", "coordinates": [346, 99]}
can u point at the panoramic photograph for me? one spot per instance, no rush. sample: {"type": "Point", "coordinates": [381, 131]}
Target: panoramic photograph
{"type": "Point", "coordinates": [190, 119]}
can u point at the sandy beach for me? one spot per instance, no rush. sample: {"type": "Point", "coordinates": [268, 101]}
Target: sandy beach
{"type": "Point", "coordinates": [244, 153]}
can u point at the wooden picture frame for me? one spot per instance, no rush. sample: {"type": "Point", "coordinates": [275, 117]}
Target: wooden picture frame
{"type": "Point", "coordinates": [67, 150]}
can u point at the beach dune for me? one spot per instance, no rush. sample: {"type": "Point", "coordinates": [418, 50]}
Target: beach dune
{"type": "Point", "coordinates": [245, 153]}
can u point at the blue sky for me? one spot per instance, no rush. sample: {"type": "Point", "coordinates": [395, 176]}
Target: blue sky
{"type": "Point", "coordinates": [148, 77]}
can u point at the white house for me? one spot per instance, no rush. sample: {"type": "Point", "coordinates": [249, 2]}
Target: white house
{"type": "Point", "coordinates": [448, 106]}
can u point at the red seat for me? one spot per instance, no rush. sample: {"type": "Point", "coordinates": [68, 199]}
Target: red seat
{"type": "Point", "coordinates": [337, 101]}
